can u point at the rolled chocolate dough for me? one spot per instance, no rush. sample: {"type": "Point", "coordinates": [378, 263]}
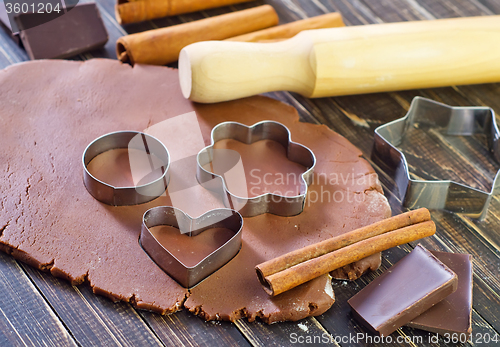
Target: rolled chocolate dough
{"type": "Point", "coordinates": [51, 110]}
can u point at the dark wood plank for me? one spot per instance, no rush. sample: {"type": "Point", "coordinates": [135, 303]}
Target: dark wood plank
{"type": "Point", "coordinates": [450, 9]}
{"type": "Point", "coordinates": [25, 317]}
{"type": "Point", "coordinates": [353, 12]}
{"type": "Point", "coordinates": [5, 59]}
{"type": "Point", "coordinates": [489, 5]}
{"type": "Point", "coordinates": [93, 320]}
{"type": "Point", "coordinates": [185, 329]}
{"type": "Point", "coordinates": [10, 49]}
{"type": "Point", "coordinates": [293, 10]}
{"type": "Point", "coordinates": [305, 332]}
{"type": "Point", "coordinates": [386, 10]}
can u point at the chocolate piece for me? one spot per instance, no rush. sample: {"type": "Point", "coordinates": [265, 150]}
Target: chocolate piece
{"type": "Point", "coordinates": [49, 220]}
{"type": "Point", "coordinates": [79, 30]}
{"type": "Point", "coordinates": [453, 314]}
{"type": "Point", "coordinates": [411, 286]}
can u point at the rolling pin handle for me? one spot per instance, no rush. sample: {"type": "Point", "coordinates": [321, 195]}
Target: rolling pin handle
{"type": "Point", "coordinates": [215, 71]}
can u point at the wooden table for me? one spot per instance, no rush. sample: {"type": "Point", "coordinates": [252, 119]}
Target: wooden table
{"type": "Point", "coordinates": [38, 309]}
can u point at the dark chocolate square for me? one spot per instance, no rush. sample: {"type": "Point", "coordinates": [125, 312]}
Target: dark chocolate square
{"type": "Point", "coordinates": [79, 30]}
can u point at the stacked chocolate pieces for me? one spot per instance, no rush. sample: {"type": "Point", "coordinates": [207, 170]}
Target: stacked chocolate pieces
{"type": "Point", "coordinates": [426, 290]}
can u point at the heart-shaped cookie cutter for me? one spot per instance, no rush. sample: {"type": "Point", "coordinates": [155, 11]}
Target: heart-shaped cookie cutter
{"type": "Point", "coordinates": [189, 276]}
{"type": "Point", "coordinates": [133, 195]}
{"type": "Point", "coordinates": [438, 194]}
{"type": "Point", "coordinates": [265, 203]}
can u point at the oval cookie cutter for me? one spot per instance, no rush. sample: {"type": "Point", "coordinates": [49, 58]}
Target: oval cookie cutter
{"type": "Point", "coordinates": [438, 194]}
{"type": "Point", "coordinates": [132, 195]}
{"type": "Point", "coordinates": [189, 276]}
{"type": "Point", "coordinates": [281, 205]}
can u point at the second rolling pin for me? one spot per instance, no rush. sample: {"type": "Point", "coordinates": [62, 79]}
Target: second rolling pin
{"type": "Point", "coordinates": [349, 60]}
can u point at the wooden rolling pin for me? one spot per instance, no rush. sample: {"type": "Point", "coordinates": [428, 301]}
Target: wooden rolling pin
{"type": "Point", "coordinates": [349, 60]}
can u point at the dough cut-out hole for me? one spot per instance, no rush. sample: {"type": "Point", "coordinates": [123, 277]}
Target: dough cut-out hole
{"type": "Point", "coordinates": [267, 168]}
{"type": "Point", "coordinates": [190, 250]}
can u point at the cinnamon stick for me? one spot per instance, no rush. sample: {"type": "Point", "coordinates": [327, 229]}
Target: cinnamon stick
{"type": "Point", "coordinates": [312, 251]}
{"type": "Point", "coordinates": [138, 11]}
{"type": "Point", "coordinates": [285, 31]}
{"type": "Point", "coordinates": [297, 267]}
{"type": "Point", "coordinates": [162, 46]}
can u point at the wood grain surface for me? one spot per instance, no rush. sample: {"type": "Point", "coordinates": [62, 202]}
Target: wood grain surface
{"type": "Point", "coordinates": [37, 309]}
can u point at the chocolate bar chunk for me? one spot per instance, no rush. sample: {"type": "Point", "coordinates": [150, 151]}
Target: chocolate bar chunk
{"type": "Point", "coordinates": [453, 314]}
{"type": "Point", "coordinates": [403, 292]}
{"type": "Point", "coordinates": [79, 30]}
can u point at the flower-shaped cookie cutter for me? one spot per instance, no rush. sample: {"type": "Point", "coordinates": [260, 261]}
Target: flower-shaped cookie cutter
{"type": "Point", "coordinates": [189, 276]}
{"type": "Point", "coordinates": [438, 194]}
{"type": "Point", "coordinates": [278, 204]}
{"type": "Point", "coordinates": [132, 195]}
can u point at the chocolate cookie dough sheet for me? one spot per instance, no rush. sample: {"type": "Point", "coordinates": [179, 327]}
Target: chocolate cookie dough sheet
{"type": "Point", "coordinates": [51, 110]}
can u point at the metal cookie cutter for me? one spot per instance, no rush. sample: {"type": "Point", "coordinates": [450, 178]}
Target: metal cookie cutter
{"type": "Point", "coordinates": [189, 276]}
{"type": "Point", "coordinates": [120, 196]}
{"type": "Point", "coordinates": [438, 194]}
{"type": "Point", "coordinates": [264, 203]}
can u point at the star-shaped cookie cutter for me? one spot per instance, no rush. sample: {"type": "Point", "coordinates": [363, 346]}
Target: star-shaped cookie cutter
{"type": "Point", "coordinates": [282, 205]}
{"type": "Point", "coordinates": [438, 194]}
